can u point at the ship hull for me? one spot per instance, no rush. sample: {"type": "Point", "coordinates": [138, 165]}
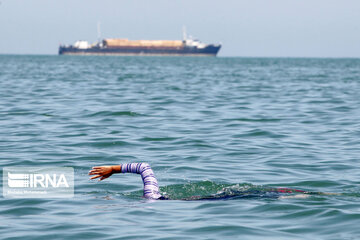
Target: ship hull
{"type": "Point", "coordinates": [210, 50]}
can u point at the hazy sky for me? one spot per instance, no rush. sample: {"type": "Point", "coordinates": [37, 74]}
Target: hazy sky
{"type": "Point", "coordinates": [294, 28]}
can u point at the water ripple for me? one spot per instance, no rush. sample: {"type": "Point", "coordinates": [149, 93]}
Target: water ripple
{"type": "Point", "coordinates": [206, 125]}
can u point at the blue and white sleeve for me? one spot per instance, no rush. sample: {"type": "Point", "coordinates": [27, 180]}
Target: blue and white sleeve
{"type": "Point", "coordinates": [151, 187]}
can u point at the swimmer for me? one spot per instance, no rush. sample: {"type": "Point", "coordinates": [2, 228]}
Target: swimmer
{"type": "Point", "coordinates": [151, 187]}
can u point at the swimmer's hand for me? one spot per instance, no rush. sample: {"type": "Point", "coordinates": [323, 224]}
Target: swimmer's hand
{"type": "Point", "coordinates": [104, 172]}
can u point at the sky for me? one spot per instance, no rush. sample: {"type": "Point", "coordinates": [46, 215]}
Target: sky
{"type": "Point", "coordinates": [245, 28]}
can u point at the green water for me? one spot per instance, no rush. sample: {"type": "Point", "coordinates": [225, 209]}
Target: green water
{"type": "Point", "coordinates": [206, 126]}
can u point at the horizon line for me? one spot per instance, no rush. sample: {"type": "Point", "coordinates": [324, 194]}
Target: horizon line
{"type": "Point", "coordinates": [225, 56]}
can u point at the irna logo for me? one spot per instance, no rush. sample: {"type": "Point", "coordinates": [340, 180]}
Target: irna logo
{"type": "Point", "coordinates": [16, 180]}
{"type": "Point", "coordinates": [38, 182]}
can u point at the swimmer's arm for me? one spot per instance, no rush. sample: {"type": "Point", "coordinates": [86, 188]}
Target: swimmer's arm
{"type": "Point", "coordinates": [151, 188]}
{"type": "Point", "coordinates": [104, 172]}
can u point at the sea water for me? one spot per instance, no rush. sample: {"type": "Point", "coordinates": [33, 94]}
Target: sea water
{"type": "Point", "coordinates": [205, 125]}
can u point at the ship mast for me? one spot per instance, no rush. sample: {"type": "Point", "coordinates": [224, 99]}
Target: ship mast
{"type": "Point", "coordinates": [98, 32]}
{"type": "Point", "coordinates": [184, 33]}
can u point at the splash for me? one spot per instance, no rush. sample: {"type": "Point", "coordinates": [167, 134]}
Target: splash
{"type": "Point", "coordinates": [207, 190]}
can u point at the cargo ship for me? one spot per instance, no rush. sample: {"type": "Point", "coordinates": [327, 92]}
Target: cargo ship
{"type": "Point", "coordinates": [126, 47]}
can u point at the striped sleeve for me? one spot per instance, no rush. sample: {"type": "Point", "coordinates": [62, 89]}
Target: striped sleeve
{"type": "Point", "coordinates": [151, 187]}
